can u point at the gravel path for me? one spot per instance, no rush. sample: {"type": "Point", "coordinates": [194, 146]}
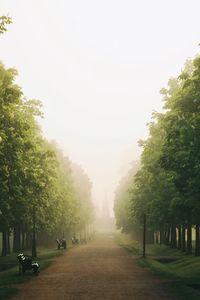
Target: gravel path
{"type": "Point", "coordinates": [99, 270]}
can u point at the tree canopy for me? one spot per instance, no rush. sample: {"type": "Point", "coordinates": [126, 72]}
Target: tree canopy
{"type": "Point", "coordinates": [37, 185]}
{"type": "Point", "coordinates": [166, 187]}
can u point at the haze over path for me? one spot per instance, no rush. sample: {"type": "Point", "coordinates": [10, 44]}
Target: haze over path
{"type": "Point", "coordinates": [98, 67]}
{"type": "Point", "coordinates": [98, 270]}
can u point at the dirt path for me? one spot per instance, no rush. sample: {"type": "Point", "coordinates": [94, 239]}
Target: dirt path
{"type": "Point", "coordinates": [100, 270]}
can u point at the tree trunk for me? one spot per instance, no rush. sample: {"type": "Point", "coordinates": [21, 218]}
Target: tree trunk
{"type": "Point", "coordinates": [47, 240]}
{"type": "Point", "coordinates": [34, 251]}
{"type": "Point", "coordinates": [8, 241]}
{"type": "Point", "coordinates": [161, 237]}
{"type": "Point", "coordinates": [197, 240]}
{"type": "Point", "coordinates": [173, 237]}
{"type": "Point", "coordinates": [149, 237]}
{"type": "Point", "coordinates": [28, 240]}
{"type": "Point", "coordinates": [144, 236]}
{"type": "Point", "coordinates": [23, 240]}
{"type": "Point", "coordinates": [156, 238]}
{"type": "Point", "coordinates": [179, 237]}
{"type": "Point", "coordinates": [167, 235]}
{"type": "Point", "coordinates": [16, 238]}
{"type": "Point", "coordinates": [4, 243]}
{"type": "Point", "coordinates": [183, 242]}
{"type": "Point", "coordinates": [189, 238]}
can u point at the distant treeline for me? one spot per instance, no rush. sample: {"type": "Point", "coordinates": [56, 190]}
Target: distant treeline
{"type": "Point", "coordinates": [166, 185]}
{"type": "Point", "coordinates": [42, 194]}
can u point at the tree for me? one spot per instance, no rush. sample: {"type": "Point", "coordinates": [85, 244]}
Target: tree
{"type": "Point", "coordinates": [166, 187]}
{"type": "Point", "coordinates": [122, 201]}
{"type": "Point", "coordinates": [181, 149]}
{"type": "Point", "coordinates": [39, 196]}
{"type": "Point", "coordinates": [85, 211]}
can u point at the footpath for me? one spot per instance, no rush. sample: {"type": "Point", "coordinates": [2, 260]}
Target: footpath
{"type": "Point", "coordinates": [100, 270]}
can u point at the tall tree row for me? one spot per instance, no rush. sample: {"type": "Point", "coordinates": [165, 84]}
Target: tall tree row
{"type": "Point", "coordinates": [39, 196]}
{"type": "Point", "coordinates": [85, 215]}
{"type": "Point", "coordinates": [166, 188]}
{"type": "Point", "coordinates": [122, 201]}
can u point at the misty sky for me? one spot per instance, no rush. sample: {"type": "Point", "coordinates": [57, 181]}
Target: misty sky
{"type": "Point", "coordinates": [98, 67]}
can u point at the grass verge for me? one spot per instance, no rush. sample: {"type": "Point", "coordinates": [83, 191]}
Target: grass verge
{"type": "Point", "coordinates": [182, 271]}
{"type": "Point", "coordinates": [7, 292]}
{"type": "Point", "coordinates": [11, 276]}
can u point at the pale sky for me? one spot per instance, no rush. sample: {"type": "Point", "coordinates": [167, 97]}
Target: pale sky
{"type": "Point", "coordinates": [98, 66]}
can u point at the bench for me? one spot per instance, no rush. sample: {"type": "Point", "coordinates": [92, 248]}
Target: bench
{"type": "Point", "coordinates": [61, 243]}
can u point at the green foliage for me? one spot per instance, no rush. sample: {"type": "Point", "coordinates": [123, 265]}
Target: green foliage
{"type": "Point", "coordinates": [181, 148]}
{"type": "Point", "coordinates": [4, 20]}
{"type": "Point", "coordinates": [122, 200]}
{"type": "Point", "coordinates": [82, 185]}
{"type": "Point", "coordinates": [166, 187]}
{"type": "Point", "coordinates": [35, 177]}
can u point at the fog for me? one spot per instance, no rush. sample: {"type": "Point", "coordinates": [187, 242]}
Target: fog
{"type": "Point", "coordinates": [98, 66]}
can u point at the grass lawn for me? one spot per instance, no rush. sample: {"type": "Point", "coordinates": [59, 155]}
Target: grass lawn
{"type": "Point", "coordinates": [11, 276]}
{"type": "Point", "coordinates": [183, 271]}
